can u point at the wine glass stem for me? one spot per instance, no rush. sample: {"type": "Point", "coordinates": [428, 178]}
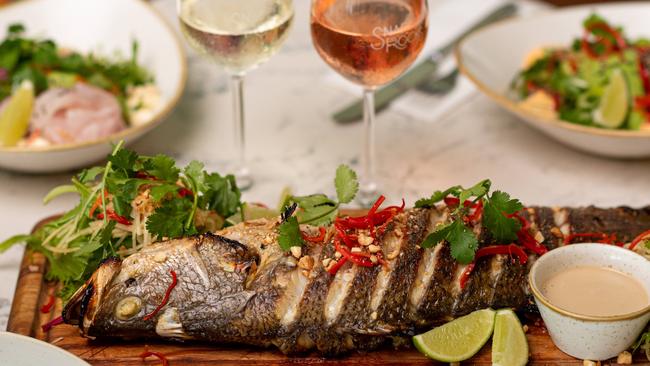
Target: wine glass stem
{"type": "Point", "coordinates": [368, 187]}
{"type": "Point", "coordinates": [244, 179]}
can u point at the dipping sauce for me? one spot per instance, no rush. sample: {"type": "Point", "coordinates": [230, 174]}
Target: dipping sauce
{"type": "Point", "coordinates": [595, 291]}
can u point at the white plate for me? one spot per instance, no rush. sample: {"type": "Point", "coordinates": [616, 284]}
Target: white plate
{"type": "Point", "coordinates": [491, 58]}
{"type": "Point", "coordinates": [104, 26]}
{"type": "Point", "coordinates": [18, 350]}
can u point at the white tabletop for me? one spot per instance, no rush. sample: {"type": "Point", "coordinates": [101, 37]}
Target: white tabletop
{"type": "Point", "coordinates": [293, 141]}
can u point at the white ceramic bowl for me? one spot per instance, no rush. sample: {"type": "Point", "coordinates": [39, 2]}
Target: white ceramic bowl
{"type": "Point", "coordinates": [492, 56]}
{"type": "Point", "coordinates": [19, 350]}
{"type": "Point", "coordinates": [104, 26]}
{"type": "Point", "coordinates": [590, 337]}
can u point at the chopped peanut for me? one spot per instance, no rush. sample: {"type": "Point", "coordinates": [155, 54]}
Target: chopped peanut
{"type": "Point", "coordinates": [306, 262]}
{"type": "Point", "coordinates": [624, 358]}
{"type": "Point", "coordinates": [374, 248]}
{"type": "Point", "coordinates": [296, 251]}
{"type": "Point", "coordinates": [365, 240]}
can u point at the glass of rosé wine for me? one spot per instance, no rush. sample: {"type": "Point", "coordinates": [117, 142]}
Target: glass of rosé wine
{"type": "Point", "coordinates": [371, 43]}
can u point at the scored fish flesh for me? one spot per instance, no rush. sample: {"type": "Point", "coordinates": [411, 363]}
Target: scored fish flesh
{"type": "Point", "coordinates": [237, 286]}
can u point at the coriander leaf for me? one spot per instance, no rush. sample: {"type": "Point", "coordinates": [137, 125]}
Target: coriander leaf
{"type": "Point", "coordinates": [124, 192]}
{"type": "Point", "coordinates": [462, 241]}
{"type": "Point", "coordinates": [289, 234]}
{"type": "Point", "coordinates": [436, 237]}
{"type": "Point", "coordinates": [436, 197]}
{"type": "Point", "coordinates": [168, 220]}
{"type": "Point", "coordinates": [503, 229]}
{"type": "Point", "coordinates": [123, 159]}
{"type": "Point", "coordinates": [162, 167]}
{"type": "Point", "coordinates": [220, 194]}
{"type": "Point", "coordinates": [319, 215]}
{"type": "Point", "coordinates": [346, 184]}
{"type": "Point", "coordinates": [478, 190]}
{"type": "Point", "coordinates": [161, 191]}
{"type": "Point", "coordinates": [314, 200]}
{"type": "Point", "coordinates": [66, 267]}
{"type": "Point", "coordinates": [194, 171]}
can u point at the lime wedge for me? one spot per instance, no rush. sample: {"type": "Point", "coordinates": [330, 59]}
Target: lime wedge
{"type": "Point", "coordinates": [509, 345]}
{"type": "Point", "coordinates": [459, 339]}
{"type": "Point", "coordinates": [614, 104]}
{"type": "Point", "coordinates": [14, 119]}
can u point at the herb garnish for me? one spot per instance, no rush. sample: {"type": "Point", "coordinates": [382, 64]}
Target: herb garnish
{"type": "Point", "coordinates": [317, 209]}
{"type": "Point", "coordinates": [47, 65]}
{"type": "Point", "coordinates": [497, 209]}
{"type": "Point", "coordinates": [125, 205]}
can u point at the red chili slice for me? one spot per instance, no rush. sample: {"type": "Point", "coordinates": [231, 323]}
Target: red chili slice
{"type": "Point", "coordinates": [315, 239]}
{"type": "Point", "coordinates": [158, 355]}
{"type": "Point", "coordinates": [644, 235]}
{"type": "Point", "coordinates": [464, 277]}
{"type": "Point", "coordinates": [51, 324]}
{"type": "Point", "coordinates": [165, 298]}
{"type": "Point", "coordinates": [47, 307]}
{"type": "Point", "coordinates": [335, 268]}
{"type": "Point", "coordinates": [510, 249]}
{"type": "Point", "coordinates": [115, 217]}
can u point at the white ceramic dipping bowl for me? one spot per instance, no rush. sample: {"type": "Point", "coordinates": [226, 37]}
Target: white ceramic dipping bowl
{"type": "Point", "coordinates": [590, 337]}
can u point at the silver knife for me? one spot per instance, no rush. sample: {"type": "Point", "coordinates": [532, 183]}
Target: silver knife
{"type": "Point", "coordinates": [421, 72]}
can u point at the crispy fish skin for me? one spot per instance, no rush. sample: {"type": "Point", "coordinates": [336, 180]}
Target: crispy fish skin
{"type": "Point", "coordinates": [237, 286]}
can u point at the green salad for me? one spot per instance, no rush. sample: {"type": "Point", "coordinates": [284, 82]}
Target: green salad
{"type": "Point", "coordinates": [126, 205]}
{"type": "Point", "coordinates": [602, 80]}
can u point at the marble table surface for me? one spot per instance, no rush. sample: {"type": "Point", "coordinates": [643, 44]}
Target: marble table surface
{"type": "Point", "coordinates": [293, 142]}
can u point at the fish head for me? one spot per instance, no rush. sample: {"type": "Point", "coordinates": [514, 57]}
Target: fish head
{"type": "Point", "coordinates": [84, 303]}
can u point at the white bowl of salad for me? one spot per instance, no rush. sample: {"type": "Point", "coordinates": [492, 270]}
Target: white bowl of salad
{"type": "Point", "coordinates": [76, 75]}
{"type": "Point", "coordinates": [581, 74]}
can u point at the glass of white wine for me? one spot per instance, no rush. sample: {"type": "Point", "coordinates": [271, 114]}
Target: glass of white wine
{"type": "Point", "coordinates": [237, 35]}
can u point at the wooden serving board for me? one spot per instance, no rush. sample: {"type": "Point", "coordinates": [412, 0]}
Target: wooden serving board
{"type": "Point", "coordinates": [32, 291]}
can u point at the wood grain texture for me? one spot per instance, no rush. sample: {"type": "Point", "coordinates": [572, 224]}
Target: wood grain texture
{"type": "Point", "coordinates": [32, 291]}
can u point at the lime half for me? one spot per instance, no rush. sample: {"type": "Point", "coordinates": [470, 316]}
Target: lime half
{"type": "Point", "coordinates": [14, 119]}
{"type": "Point", "coordinates": [614, 103]}
{"type": "Point", "coordinates": [459, 339]}
{"type": "Point", "coordinates": [253, 211]}
{"type": "Point", "coordinates": [509, 345]}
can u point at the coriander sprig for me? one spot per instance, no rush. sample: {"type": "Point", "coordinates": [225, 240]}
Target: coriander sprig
{"type": "Point", "coordinates": [316, 209]}
{"type": "Point", "coordinates": [497, 209]}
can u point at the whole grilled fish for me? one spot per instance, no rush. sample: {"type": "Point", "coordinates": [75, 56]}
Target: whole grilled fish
{"type": "Point", "coordinates": [237, 286]}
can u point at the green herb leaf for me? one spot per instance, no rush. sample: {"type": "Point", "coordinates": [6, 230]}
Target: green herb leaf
{"type": "Point", "coordinates": [123, 159]}
{"type": "Point", "coordinates": [221, 194]}
{"type": "Point", "coordinates": [439, 235]}
{"type": "Point", "coordinates": [497, 207]}
{"type": "Point", "coordinates": [17, 239]}
{"type": "Point", "coordinates": [90, 175]}
{"type": "Point", "coordinates": [289, 234]}
{"type": "Point", "coordinates": [462, 241]}
{"type": "Point", "coordinates": [57, 191]}
{"type": "Point", "coordinates": [162, 167]}
{"type": "Point", "coordinates": [346, 184]}
{"type": "Point", "coordinates": [169, 219]}
{"type": "Point", "coordinates": [162, 191]}
{"type": "Point", "coordinates": [437, 196]}
{"type": "Point", "coordinates": [478, 190]}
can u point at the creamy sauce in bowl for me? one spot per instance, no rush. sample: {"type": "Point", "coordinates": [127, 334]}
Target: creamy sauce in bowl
{"type": "Point", "coordinates": [595, 291]}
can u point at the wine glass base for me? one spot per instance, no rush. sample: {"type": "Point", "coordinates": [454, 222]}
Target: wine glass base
{"type": "Point", "coordinates": [244, 179]}
{"type": "Point", "coordinates": [367, 195]}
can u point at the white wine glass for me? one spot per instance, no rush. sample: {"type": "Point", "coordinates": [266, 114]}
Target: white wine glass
{"type": "Point", "coordinates": [371, 43]}
{"type": "Point", "coordinates": [237, 35]}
